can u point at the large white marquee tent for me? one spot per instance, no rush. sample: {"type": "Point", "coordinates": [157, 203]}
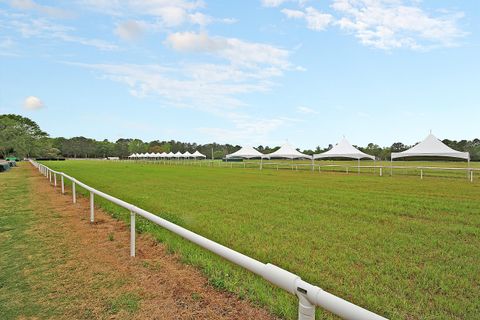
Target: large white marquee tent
{"type": "Point", "coordinates": [343, 149]}
{"type": "Point", "coordinates": [431, 147]}
{"type": "Point", "coordinates": [287, 151]}
{"type": "Point", "coordinates": [246, 152]}
{"type": "Point", "coordinates": [197, 154]}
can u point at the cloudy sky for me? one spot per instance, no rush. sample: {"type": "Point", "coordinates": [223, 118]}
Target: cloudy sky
{"type": "Point", "coordinates": [244, 72]}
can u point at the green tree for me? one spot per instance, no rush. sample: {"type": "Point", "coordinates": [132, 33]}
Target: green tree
{"type": "Point", "coordinates": [137, 146]}
{"type": "Point", "coordinates": [21, 136]}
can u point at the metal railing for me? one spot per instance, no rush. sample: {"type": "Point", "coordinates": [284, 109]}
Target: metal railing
{"type": "Point", "coordinates": [309, 295]}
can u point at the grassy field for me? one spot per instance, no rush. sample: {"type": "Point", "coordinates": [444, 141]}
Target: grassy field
{"type": "Point", "coordinates": [400, 246]}
{"type": "Point", "coordinates": [36, 279]}
{"type": "Point", "coordinates": [455, 169]}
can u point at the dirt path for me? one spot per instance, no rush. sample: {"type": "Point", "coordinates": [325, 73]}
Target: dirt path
{"type": "Point", "coordinates": [96, 278]}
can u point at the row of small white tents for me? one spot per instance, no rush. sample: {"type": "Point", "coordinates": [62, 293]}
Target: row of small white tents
{"type": "Point", "coordinates": [170, 155]}
{"type": "Point", "coordinates": [430, 147]}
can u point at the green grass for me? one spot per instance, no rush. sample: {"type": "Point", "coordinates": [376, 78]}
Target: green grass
{"type": "Point", "coordinates": [35, 279]}
{"type": "Point", "coordinates": [20, 253]}
{"type": "Point", "coordinates": [399, 246]}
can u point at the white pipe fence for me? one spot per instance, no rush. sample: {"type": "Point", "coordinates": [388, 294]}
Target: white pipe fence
{"type": "Point", "coordinates": [309, 295]}
{"type": "Point", "coordinates": [312, 166]}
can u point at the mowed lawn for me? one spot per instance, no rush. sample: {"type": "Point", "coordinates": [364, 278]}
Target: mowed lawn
{"type": "Point", "coordinates": [400, 246]}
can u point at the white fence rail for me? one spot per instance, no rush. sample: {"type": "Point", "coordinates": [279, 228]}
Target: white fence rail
{"type": "Point", "coordinates": [347, 168]}
{"type": "Point", "coordinates": [309, 295]}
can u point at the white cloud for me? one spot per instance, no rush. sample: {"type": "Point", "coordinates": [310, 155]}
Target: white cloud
{"type": "Point", "coordinates": [214, 89]}
{"type": "Point", "coordinates": [390, 24]}
{"type": "Point", "coordinates": [245, 128]}
{"type": "Point", "coordinates": [293, 14]}
{"type": "Point", "coordinates": [170, 13]}
{"type": "Point", "coordinates": [227, 20]}
{"type": "Point", "coordinates": [43, 28]}
{"type": "Point", "coordinates": [33, 103]}
{"type": "Point", "coordinates": [383, 24]}
{"type": "Point", "coordinates": [129, 30]}
{"type": "Point", "coordinates": [306, 110]}
{"type": "Point", "coordinates": [249, 54]}
{"type": "Point", "coordinates": [206, 87]}
{"type": "Point", "coordinates": [273, 3]}
{"type": "Point", "coordinates": [315, 19]}
{"type": "Point", "coordinates": [200, 18]}
{"type": "Point", "coordinates": [32, 5]}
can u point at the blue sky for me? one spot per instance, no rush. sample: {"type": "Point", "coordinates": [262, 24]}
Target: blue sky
{"type": "Point", "coordinates": [244, 72]}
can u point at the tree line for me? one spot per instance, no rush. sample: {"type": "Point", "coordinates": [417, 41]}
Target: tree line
{"type": "Point", "coordinates": [22, 137]}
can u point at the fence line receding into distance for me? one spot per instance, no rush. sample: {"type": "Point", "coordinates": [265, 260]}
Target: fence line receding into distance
{"type": "Point", "coordinates": [308, 295]}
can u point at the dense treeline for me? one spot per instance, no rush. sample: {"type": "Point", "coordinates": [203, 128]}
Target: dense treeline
{"type": "Point", "coordinates": [22, 137]}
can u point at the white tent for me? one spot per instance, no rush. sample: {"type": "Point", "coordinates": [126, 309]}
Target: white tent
{"type": "Point", "coordinates": [163, 155]}
{"type": "Point", "coordinates": [431, 147]}
{"type": "Point", "coordinates": [170, 155]}
{"type": "Point", "coordinates": [197, 154]}
{"type": "Point", "coordinates": [343, 149]}
{"type": "Point", "coordinates": [178, 154]}
{"type": "Point", "coordinates": [246, 152]}
{"type": "Point", "coordinates": [187, 154]}
{"type": "Point", "coordinates": [287, 151]}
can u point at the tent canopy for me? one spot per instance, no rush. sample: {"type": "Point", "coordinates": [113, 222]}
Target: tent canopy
{"type": "Point", "coordinates": [343, 149]}
{"type": "Point", "coordinates": [197, 154]}
{"type": "Point", "coordinates": [287, 151]}
{"type": "Point", "coordinates": [431, 147]}
{"type": "Point", "coordinates": [246, 152]}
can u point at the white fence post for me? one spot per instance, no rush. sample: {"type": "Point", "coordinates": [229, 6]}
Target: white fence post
{"type": "Point", "coordinates": [306, 310]}
{"type": "Point", "coordinates": [74, 196]}
{"type": "Point", "coordinates": [92, 209]}
{"type": "Point", "coordinates": [421, 173]}
{"type": "Point", "coordinates": [63, 186]}
{"type": "Point", "coordinates": [132, 234]}
{"type": "Point", "coordinates": [471, 175]}
{"type": "Point", "coordinates": [55, 179]}
{"type": "Point", "coordinates": [381, 171]}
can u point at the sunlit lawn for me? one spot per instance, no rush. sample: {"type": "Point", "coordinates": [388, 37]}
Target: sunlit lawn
{"type": "Point", "coordinates": [399, 246]}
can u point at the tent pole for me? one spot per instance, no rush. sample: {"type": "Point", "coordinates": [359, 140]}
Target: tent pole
{"type": "Point", "coordinates": [358, 165]}
{"type": "Point", "coordinates": [468, 164]}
